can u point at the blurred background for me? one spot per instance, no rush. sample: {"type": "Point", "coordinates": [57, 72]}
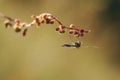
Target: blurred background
{"type": "Point", "coordinates": [39, 55]}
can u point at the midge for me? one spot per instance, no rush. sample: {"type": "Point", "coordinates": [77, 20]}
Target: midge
{"type": "Point", "coordinates": [75, 45]}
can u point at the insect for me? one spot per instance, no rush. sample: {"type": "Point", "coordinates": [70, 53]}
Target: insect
{"type": "Point", "coordinates": [74, 45]}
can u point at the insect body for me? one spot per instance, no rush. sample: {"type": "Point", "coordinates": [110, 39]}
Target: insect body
{"type": "Point", "coordinates": [75, 45]}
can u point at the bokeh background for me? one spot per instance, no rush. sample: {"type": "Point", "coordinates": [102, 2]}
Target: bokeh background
{"type": "Point", "coordinates": [39, 55]}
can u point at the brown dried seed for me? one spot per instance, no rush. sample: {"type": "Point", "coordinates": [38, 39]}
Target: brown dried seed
{"type": "Point", "coordinates": [57, 29]}
{"type": "Point", "coordinates": [82, 31]}
{"type": "Point", "coordinates": [8, 25]}
{"type": "Point", "coordinates": [25, 32]}
{"type": "Point", "coordinates": [61, 27]}
{"type": "Point", "coordinates": [17, 21]}
{"type": "Point", "coordinates": [72, 26]}
{"type": "Point", "coordinates": [75, 33]}
{"type": "Point", "coordinates": [52, 22]}
{"type": "Point", "coordinates": [62, 31]}
{"type": "Point", "coordinates": [23, 25]}
{"type": "Point", "coordinates": [42, 21]}
{"type": "Point", "coordinates": [47, 21]}
{"type": "Point", "coordinates": [38, 22]}
{"type": "Point", "coordinates": [70, 32]}
{"type": "Point", "coordinates": [44, 16]}
{"type": "Point", "coordinates": [33, 16]}
{"type": "Point", "coordinates": [17, 29]}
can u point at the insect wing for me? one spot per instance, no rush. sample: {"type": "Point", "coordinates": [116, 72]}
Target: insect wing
{"type": "Point", "coordinates": [68, 46]}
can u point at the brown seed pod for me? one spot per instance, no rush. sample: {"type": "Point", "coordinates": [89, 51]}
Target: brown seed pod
{"type": "Point", "coordinates": [71, 32]}
{"type": "Point", "coordinates": [72, 26]}
{"type": "Point", "coordinates": [17, 29]}
{"type": "Point", "coordinates": [47, 21]}
{"type": "Point", "coordinates": [57, 29]}
{"type": "Point", "coordinates": [82, 31]}
{"type": "Point", "coordinates": [8, 24]}
{"type": "Point", "coordinates": [62, 31]}
{"type": "Point", "coordinates": [25, 32]}
{"type": "Point", "coordinates": [38, 22]}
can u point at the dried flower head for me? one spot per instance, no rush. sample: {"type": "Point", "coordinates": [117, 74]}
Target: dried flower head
{"type": "Point", "coordinates": [44, 18]}
{"type": "Point", "coordinates": [8, 23]}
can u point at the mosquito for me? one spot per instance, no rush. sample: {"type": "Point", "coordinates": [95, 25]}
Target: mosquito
{"type": "Point", "coordinates": [77, 44]}
{"type": "Point", "coordinates": [74, 45]}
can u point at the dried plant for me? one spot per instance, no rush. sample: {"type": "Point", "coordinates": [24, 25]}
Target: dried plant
{"type": "Point", "coordinates": [44, 18]}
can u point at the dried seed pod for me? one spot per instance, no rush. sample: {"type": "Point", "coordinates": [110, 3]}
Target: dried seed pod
{"type": "Point", "coordinates": [71, 32]}
{"type": "Point", "coordinates": [8, 24]}
{"type": "Point", "coordinates": [61, 27]}
{"type": "Point", "coordinates": [57, 29]}
{"type": "Point", "coordinates": [23, 25]}
{"type": "Point", "coordinates": [72, 26]}
{"type": "Point", "coordinates": [25, 32]}
{"type": "Point", "coordinates": [62, 31]}
{"type": "Point", "coordinates": [38, 22]}
{"type": "Point", "coordinates": [47, 21]}
{"type": "Point", "coordinates": [17, 21]}
{"type": "Point", "coordinates": [33, 16]}
{"type": "Point", "coordinates": [82, 31]}
{"type": "Point", "coordinates": [75, 33]}
{"type": "Point", "coordinates": [17, 29]}
{"type": "Point", "coordinates": [52, 22]}
{"type": "Point", "coordinates": [42, 21]}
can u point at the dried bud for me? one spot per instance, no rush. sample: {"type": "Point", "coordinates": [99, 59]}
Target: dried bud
{"type": "Point", "coordinates": [57, 29]}
{"type": "Point", "coordinates": [61, 27]}
{"type": "Point", "coordinates": [82, 31]}
{"type": "Point", "coordinates": [33, 16]}
{"type": "Point", "coordinates": [24, 32]}
{"type": "Point", "coordinates": [38, 22]}
{"type": "Point", "coordinates": [52, 22]}
{"type": "Point", "coordinates": [8, 24]}
{"type": "Point", "coordinates": [42, 21]}
{"type": "Point", "coordinates": [62, 31]}
{"type": "Point", "coordinates": [44, 16]}
{"type": "Point", "coordinates": [17, 21]}
{"type": "Point", "coordinates": [23, 25]}
{"type": "Point", "coordinates": [72, 26]}
{"type": "Point", "coordinates": [75, 33]}
{"type": "Point", "coordinates": [17, 29]}
{"type": "Point", "coordinates": [47, 21]}
{"type": "Point", "coordinates": [70, 32]}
